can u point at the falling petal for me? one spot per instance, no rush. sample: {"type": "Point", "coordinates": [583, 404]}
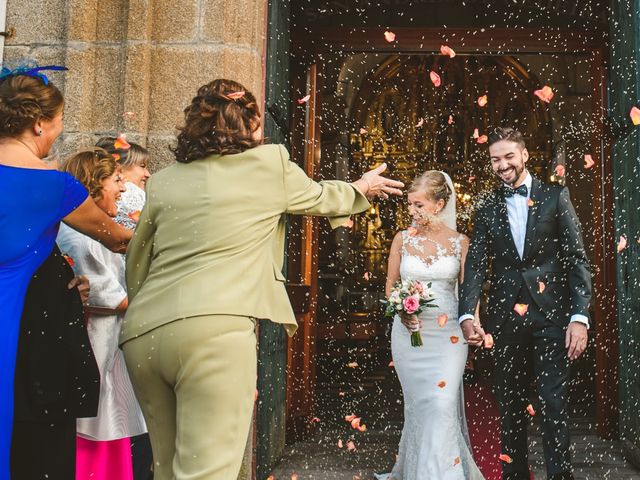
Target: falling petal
{"type": "Point", "coordinates": [635, 115]}
{"type": "Point", "coordinates": [351, 446]}
{"type": "Point", "coordinates": [363, 131]}
{"type": "Point", "coordinates": [134, 216]}
{"type": "Point", "coordinates": [304, 99]}
{"type": "Point", "coordinates": [521, 308]}
{"type": "Point", "coordinates": [541, 287]}
{"type": "Point", "coordinates": [531, 203]}
{"type": "Point", "coordinates": [420, 123]}
{"type": "Point", "coordinates": [366, 275]}
{"type": "Point", "coordinates": [348, 223]}
{"type": "Point", "coordinates": [442, 384]}
{"type": "Point", "coordinates": [482, 139]}
{"type": "Point", "coordinates": [488, 341]}
{"type": "Point", "coordinates": [389, 36]}
{"type": "Point", "coordinates": [530, 409]}
{"type": "Point", "coordinates": [116, 156]}
{"type": "Point", "coordinates": [454, 339]}
{"type": "Point", "coordinates": [560, 170]}
{"type": "Point", "coordinates": [315, 420]}
{"type": "Point", "coordinates": [362, 428]}
{"type": "Point", "coordinates": [456, 461]}
{"type": "Point", "coordinates": [505, 458]}
{"type": "Point", "coordinates": [391, 363]}
{"type": "Point", "coordinates": [435, 78]}
{"type": "Point", "coordinates": [121, 143]}
{"type": "Point", "coordinates": [235, 95]}
{"type": "Point", "coordinates": [476, 133]}
{"type": "Point", "coordinates": [294, 476]}
{"type": "Point", "coordinates": [545, 94]}
{"type": "Point", "coordinates": [446, 50]}
{"type": "Point", "coordinates": [588, 161]}
{"type": "Point", "coordinates": [341, 394]}
{"type": "Point", "coordinates": [129, 114]}
{"type": "Point", "coordinates": [339, 443]}
{"type": "Point", "coordinates": [442, 319]}
{"type": "Point", "coordinates": [450, 120]}
{"type": "Point", "coordinates": [483, 100]}
{"type": "Point", "coordinates": [622, 244]}
{"type": "Point", "coordinates": [349, 418]}
{"type": "Point", "coordinates": [471, 178]}
{"type": "Point", "coordinates": [355, 423]}
{"type": "Point", "coordinates": [352, 364]}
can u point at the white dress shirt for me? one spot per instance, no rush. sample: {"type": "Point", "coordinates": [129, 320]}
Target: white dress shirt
{"type": "Point", "coordinates": [517, 211]}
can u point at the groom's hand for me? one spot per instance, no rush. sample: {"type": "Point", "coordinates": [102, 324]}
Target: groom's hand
{"type": "Point", "coordinates": [473, 332]}
{"type": "Point", "coordinates": [576, 339]}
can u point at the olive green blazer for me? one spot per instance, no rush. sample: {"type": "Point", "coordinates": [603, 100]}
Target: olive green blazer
{"type": "Point", "coordinates": [210, 239]}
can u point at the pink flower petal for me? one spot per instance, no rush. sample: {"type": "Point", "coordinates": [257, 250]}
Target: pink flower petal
{"type": "Point", "coordinates": [483, 100]}
{"type": "Point", "coordinates": [635, 115]}
{"type": "Point", "coordinates": [446, 50]}
{"type": "Point", "coordinates": [389, 36]}
{"type": "Point", "coordinates": [588, 161]}
{"type": "Point", "coordinates": [304, 99]}
{"type": "Point", "coordinates": [435, 78]}
{"type": "Point", "coordinates": [545, 94]}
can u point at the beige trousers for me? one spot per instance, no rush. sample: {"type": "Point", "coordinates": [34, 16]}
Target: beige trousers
{"type": "Point", "coordinates": [195, 380]}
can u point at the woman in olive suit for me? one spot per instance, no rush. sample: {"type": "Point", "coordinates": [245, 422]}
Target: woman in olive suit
{"type": "Point", "coordinates": [204, 265]}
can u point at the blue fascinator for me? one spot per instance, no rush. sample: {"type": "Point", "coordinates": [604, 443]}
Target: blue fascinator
{"type": "Point", "coordinates": [32, 70]}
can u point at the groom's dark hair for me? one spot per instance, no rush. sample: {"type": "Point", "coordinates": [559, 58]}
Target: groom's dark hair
{"type": "Point", "coordinates": [506, 133]}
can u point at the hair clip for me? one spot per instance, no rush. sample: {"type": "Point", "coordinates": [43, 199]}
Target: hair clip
{"type": "Point", "coordinates": [30, 72]}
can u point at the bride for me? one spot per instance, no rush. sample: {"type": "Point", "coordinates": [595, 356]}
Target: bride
{"type": "Point", "coordinates": [434, 443]}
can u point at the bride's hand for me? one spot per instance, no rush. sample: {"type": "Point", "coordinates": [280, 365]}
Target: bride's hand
{"type": "Point", "coordinates": [411, 322]}
{"type": "Point", "coordinates": [473, 332]}
{"type": "Point", "coordinates": [372, 184]}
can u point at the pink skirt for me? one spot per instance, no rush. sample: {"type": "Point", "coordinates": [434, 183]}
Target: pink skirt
{"type": "Point", "coordinates": [103, 460]}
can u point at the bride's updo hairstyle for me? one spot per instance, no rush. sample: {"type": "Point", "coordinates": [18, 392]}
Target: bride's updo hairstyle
{"type": "Point", "coordinates": [434, 185]}
{"type": "Point", "coordinates": [221, 119]}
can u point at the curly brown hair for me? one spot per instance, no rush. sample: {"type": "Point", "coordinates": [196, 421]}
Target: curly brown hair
{"type": "Point", "coordinates": [217, 123]}
{"type": "Point", "coordinates": [91, 168]}
{"type": "Point", "coordinates": [23, 101]}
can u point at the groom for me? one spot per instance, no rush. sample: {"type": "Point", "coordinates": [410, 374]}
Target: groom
{"type": "Point", "coordinates": [527, 238]}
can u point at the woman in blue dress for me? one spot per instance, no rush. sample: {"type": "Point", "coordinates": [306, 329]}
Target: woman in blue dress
{"type": "Point", "coordinates": [36, 199]}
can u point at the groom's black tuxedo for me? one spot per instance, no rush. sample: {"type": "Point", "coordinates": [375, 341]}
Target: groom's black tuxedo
{"type": "Point", "coordinates": [553, 254]}
{"type": "Point", "coordinates": [553, 278]}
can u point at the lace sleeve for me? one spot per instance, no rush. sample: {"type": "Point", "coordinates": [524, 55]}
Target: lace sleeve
{"type": "Point", "coordinates": [457, 245]}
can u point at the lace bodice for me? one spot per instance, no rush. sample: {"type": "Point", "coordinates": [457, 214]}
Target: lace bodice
{"type": "Point", "coordinates": [426, 260]}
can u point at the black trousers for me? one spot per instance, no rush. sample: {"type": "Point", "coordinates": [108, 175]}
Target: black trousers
{"type": "Point", "coordinates": [44, 450]}
{"type": "Point", "coordinates": [527, 347]}
{"type": "Point", "coordinates": [142, 457]}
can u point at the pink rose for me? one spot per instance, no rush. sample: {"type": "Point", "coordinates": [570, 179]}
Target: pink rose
{"type": "Point", "coordinates": [411, 304]}
{"type": "Point", "coordinates": [418, 287]}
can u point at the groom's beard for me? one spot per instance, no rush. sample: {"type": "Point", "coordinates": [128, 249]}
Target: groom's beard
{"type": "Point", "coordinates": [517, 171]}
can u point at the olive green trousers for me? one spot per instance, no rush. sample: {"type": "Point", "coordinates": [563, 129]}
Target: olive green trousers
{"type": "Point", "coordinates": [195, 380]}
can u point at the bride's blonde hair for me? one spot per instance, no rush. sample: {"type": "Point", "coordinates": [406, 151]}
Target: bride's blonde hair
{"type": "Point", "coordinates": [434, 185]}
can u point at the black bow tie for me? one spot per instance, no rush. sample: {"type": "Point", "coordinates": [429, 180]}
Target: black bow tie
{"type": "Point", "coordinates": [510, 192]}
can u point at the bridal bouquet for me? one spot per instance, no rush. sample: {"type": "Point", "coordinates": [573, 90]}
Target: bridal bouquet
{"type": "Point", "coordinates": [409, 298]}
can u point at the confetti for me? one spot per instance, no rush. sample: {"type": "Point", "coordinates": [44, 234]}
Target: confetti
{"type": "Point", "coordinates": [471, 178]}
{"type": "Point", "coordinates": [454, 339]}
{"type": "Point", "coordinates": [435, 78]}
{"type": "Point", "coordinates": [482, 139]}
{"type": "Point", "coordinates": [588, 161]}
{"type": "Point", "coordinates": [541, 287]}
{"type": "Point", "coordinates": [622, 243]}
{"type": "Point", "coordinates": [545, 94]}
{"type": "Point", "coordinates": [235, 95]}
{"type": "Point", "coordinates": [560, 170]}
{"type": "Point", "coordinates": [482, 101]}
{"type": "Point", "coordinates": [121, 143]}
{"type": "Point", "coordinates": [635, 115]}
{"type": "Point", "coordinates": [341, 394]}
{"type": "Point", "coordinates": [442, 384]}
{"type": "Point", "coordinates": [389, 36]}
{"type": "Point", "coordinates": [446, 50]}
{"type": "Point", "coordinates": [366, 275]}
{"type": "Point", "coordinates": [442, 319]}
{"type": "Point", "coordinates": [315, 420]}
{"type": "Point", "coordinates": [488, 341]}
{"type": "Point", "coordinates": [530, 410]}
{"type": "Point", "coordinates": [505, 458]}
{"type": "Point", "coordinates": [521, 308]}
{"type": "Point", "coordinates": [355, 423]}
{"type": "Point", "coordinates": [304, 99]}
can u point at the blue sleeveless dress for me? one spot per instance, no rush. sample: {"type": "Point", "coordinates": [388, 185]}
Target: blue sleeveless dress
{"type": "Point", "coordinates": [34, 202]}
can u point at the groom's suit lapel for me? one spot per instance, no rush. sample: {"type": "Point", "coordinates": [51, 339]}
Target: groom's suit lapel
{"type": "Point", "coordinates": [532, 216]}
{"type": "Point", "coordinates": [503, 220]}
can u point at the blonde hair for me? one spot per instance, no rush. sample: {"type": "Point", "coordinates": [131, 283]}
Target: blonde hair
{"type": "Point", "coordinates": [91, 168]}
{"type": "Point", "coordinates": [434, 185]}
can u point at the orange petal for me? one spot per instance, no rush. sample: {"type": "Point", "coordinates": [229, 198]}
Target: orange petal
{"type": "Point", "coordinates": [560, 170]}
{"type": "Point", "coordinates": [315, 420]}
{"type": "Point", "coordinates": [588, 161]}
{"type": "Point", "coordinates": [304, 99]}
{"type": "Point", "coordinates": [622, 243]}
{"type": "Point", "coordinates": [294, 476]}
{"type": "Point", "coordinates": [420, 123]}
{"type": "Point", "coordinates": [482, 139]}
{"type": "Point", "coordinates": [442, 384]}
{"type": "Point", "coordinates": [362, 428]}
{"type": "Point", "coordinates": [391, 363]}
{"type": "Point", "coordinates": [351, 446]}
{"type": "Point", "coordinates": [363, 131]}
{"type": "Point", "coordinates": [235, 95]}
{"type": "Point", "coordinates": [435, 78]}
{"type": "Point", "coordinates": [476, 133]}
{"type": "Point", "coordinates": [530, 409]}
{"type": "Point", "coordinates": [521, 308]}
{"type": "Point", "coordinates": [446, 50]}
{"type": "Point", "coordinates": [450, 120]}
{"type": "Point", "coordinates": [352, 364]}
{"type": "Point", "coordinates": [483, 100]}
{"type": "Point", "coordinates": [348, 418]}
{"type": "Point", "coordinates": [442, 319]}
{"type": "Point", "coordinates": [635, 115]}
{"type": "Point", "coordinates": [117, 157]}
{"type": "Point", "coordinates": [545, 94]}
{"type": "Point", "coordinates": [348, 223]}
{"type": "Point", "coordinates": [355, 423]}
{"type": "Point", "coordinates": [366, 275]}
{"type": "Point", "coordinates": [129, 114]}
{"type": "Point", "coordinates": [341, 394]}
{"type": "Point", "coordinates": [531, 203]}
{"type": "Point", "coordinates": [69, 260]}
{"type": "Point", "coordinates": [121, 143]}
{"type": "Point", "coordinates": [541, 287]}
{"type": "Point", "coordinates": [471, 179]}
{"type": "Point", "coordinates": [488, 341]}
{"type": "Point", "coordinates": [389, 36]}
{"type": "Point", "coordinates": [135, 216]}
{"type": "Point", "coordinates": [456, 461]}
{"type": "Point", "coordinates": [339, 443]}
{"type": "Point", "coordinates": [271, 477]}
{"type": "Point", "coordinates": [454, 339]}
{"type": "Point", "coordinates": [505, 458]}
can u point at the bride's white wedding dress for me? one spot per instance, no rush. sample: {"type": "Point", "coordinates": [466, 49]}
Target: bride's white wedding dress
{"type": "Point", "coordinates": [434, 443]}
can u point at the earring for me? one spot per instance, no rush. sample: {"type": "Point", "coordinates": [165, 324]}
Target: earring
{"type": "Point", "coordinates": [40, 132]}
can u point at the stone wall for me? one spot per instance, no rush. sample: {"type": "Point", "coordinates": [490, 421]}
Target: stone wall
{"type": "Point", "coordinates": [141, 56]}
